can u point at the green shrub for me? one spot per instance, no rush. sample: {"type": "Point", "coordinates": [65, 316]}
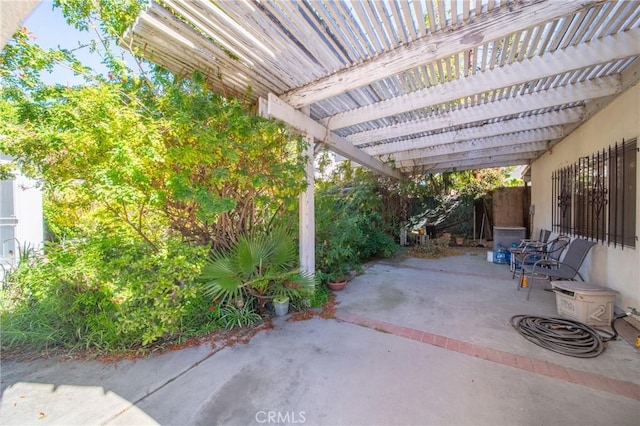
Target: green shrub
{"type": "Point", "coordinates": [258, 267]}
{"type": "Point", "coordinates": [238, 316]}
{"type": "Point", "coordinates": [200, 315]}
{"type": "Point", "coordinates": [100, 295]}
{"type": "Point", "coordinates": [319, 297]}
{"type": "Point", "coordinates": [349, 223]}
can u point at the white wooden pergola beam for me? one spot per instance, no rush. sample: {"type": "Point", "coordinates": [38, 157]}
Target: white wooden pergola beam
{"type": "Point", "coordinates": [498, 161]}
{"type": "Point", "coordinates": [577, 92]}
{"type": "Point", "coordinates": [628, 78]}
{"type": "Point", "coordinates": [502, 23]}
{"type": "Point", "coordinates": [534, 148]}
{"type": "Point", "coordinates": [615, 47]}
{"type": "Point", "coordinates": [280, 110]}
{"type": "Point", "coordinates": [547, 119]}
{"type": "Point", "coordinates": [12, 14]}
{"type": "Point", "coordinates": [530, 136]}
{"type": "Point", "coordinates": [556, 118]}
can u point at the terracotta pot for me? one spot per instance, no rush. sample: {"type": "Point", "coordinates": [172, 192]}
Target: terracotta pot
{"type": "Point", "coordinates": [337, 286]}
{"type": "Point", "coordinates": [459, 241]}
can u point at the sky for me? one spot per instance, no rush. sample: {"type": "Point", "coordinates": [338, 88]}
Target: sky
{"type": "Point", "coordinates": [51, 30]}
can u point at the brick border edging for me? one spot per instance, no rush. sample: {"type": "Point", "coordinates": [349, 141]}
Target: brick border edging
{"type": "Point", "coordinates": [544, 368]}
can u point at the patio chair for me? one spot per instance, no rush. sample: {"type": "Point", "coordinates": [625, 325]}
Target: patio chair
{"type": "Point", "coordinates": [529, 255]}
{"type": "Point", "coordinates": [567, 269]}
{"type": "Point", "coordinates": [526, 246]}
{"type": "Point", "coordinates": [543, 238]}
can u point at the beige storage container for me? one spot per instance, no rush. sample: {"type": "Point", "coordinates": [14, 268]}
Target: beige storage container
{"type": "Point", "coordinates": [585, 302]}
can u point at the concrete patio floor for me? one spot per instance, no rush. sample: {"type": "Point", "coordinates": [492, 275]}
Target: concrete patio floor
{"type": "Point", "coordinates": [414, 341]}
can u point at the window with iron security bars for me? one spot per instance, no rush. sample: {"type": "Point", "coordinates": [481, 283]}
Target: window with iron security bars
{"type": "Point", "coordinates": [623, 160]}
{"type": "Point", "coordinates": [561, 192]}
{"type": "Point", "coordinates": [595, 198]}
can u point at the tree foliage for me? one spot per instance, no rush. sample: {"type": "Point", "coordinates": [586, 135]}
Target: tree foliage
{"type": "Point", "coordinates": [353, 223]}
{"type": "Point", "coordinates": [142, 173]}
{"type": "Point", "coordinates": [147, 156]}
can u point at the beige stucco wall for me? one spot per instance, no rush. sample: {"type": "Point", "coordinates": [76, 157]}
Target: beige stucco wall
{"type": "Point", "coordinates": [616, 268]}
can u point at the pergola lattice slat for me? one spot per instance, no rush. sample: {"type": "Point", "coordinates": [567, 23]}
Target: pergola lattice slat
{"type": "Point", "coordinates": [432, 49]}
{"type": "Point", "coordinates": [382, 79]}
{"type": "Point", "coordinates": [601, 51]}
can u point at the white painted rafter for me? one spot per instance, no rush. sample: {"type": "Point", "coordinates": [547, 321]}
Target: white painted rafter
{"type": "Point", "coordinates": [497, 161]}
{"type": "Point", "coordinates": [612, 48]}
{"type": "Point", "coordinates": [556, 118]}
{"type": "Point", "coordinates": [577, 92]}
{"type": "Point", "coordinates": [535, 148]}
{"type": "Point", "coordinates": [530, 136]}
{"type": "Point", "coordinates": [440, 45]}
{"type": "Point", "coordinates": [280, 110]}
{"type": "Point", "coordinates": [481, 130]}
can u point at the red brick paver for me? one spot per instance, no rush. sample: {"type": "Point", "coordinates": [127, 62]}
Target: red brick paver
{"type": "Point", "coordinates": [543, 368]}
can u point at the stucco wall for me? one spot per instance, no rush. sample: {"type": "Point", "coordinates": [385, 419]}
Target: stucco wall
{"type": "Point", "coordinates": [616, 268]}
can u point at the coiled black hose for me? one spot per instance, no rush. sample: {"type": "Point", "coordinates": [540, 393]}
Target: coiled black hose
{"type": "Point", "coordinates": [564, 336]}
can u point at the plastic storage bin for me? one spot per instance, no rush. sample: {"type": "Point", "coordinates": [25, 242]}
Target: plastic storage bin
{"type": "Point", "coordinates": [585, 302]}
{"type": "Point", "coordinates": [507, 236]}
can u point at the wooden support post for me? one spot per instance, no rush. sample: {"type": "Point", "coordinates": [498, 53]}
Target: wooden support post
{"type": "Point", "coordinates": [307, 215]}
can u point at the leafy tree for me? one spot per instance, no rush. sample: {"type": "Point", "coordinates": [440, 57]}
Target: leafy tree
{"type": "Point", "coordinates": [142, 173]}
{"type": "Point", "coordinates": [147, 153]}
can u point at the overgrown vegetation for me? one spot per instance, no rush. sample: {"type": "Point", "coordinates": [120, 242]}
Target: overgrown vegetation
{"type": "Point", "coordinates": [143, 174]}
{"type": "Point", "coordinates": [101, 293]}
{"type": "Point", "coordinates": [163, 201]}
{"type": "Point", "coordinates": [350, 228]}
{"type": "Point", "coordinates": [433, 248]}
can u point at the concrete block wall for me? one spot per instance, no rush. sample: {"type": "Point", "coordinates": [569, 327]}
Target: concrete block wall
{"type": "Point", "coordinates": [508, 207]}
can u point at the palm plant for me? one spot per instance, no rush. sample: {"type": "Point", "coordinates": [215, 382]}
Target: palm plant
{"type": "Point", "coordinates": [257, 266]}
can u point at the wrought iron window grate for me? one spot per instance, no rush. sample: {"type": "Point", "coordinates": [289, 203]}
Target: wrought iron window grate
{"type": "Point", "coordinates": [595, 197]}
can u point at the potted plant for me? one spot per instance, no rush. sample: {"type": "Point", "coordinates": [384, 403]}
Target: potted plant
{"type": "Point", "coordinates": [281, 305]}
{"type": "Point", "coordinates": [459, 240]}
{"type": "Point", "coordinates": [337, 279]}
{"type": "Point", "coordinates": [337, 282]}
{"type": "Point", "coordinates": [258, 268]}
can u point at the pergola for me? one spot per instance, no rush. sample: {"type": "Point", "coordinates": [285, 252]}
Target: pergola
{"type": "Point", "coordinates": [407, 86]}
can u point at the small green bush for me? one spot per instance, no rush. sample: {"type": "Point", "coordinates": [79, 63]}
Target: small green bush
{"type": "Point", "coordinates": [319, 297]}
{"type": "Point", "coordinates": [232, 316]}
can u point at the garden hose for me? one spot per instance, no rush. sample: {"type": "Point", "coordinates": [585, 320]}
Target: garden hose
{"type": "Point", "coordinates": [564, 336]}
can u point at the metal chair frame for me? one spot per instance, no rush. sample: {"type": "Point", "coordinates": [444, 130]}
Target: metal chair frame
{"type": "Point", "coordinates": [549, 250]}
{"type": "Point", "coordinates": [567, 269]}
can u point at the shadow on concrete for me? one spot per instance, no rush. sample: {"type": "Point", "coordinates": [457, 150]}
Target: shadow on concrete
{"type": "Point", "coordinates": [364, 369]}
